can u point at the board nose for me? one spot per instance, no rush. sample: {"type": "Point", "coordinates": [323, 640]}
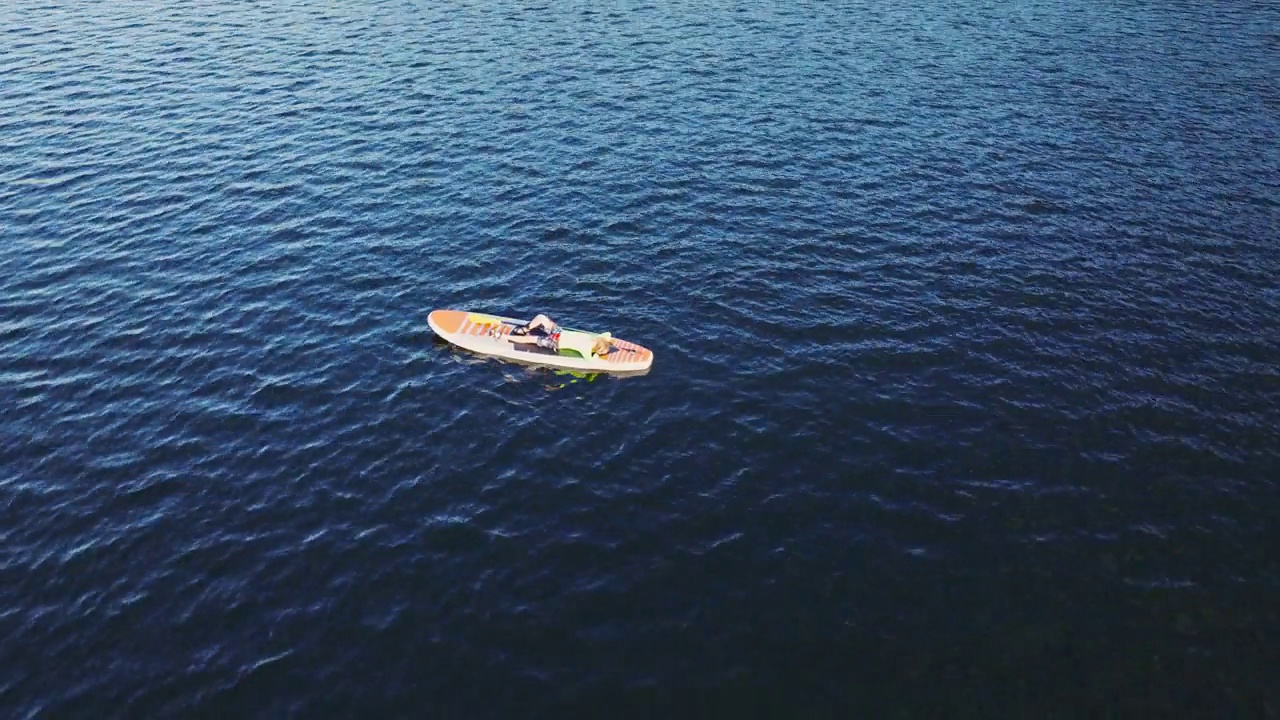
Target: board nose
{"type": "Point", "coordinates": [448, 321]}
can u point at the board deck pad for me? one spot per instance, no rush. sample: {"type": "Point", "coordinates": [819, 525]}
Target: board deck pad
{"type": "Point", "coordinates": [488, 334]}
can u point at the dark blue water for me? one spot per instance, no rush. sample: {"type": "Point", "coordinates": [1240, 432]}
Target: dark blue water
{"type": "Point", "coordinates": [966, 399]}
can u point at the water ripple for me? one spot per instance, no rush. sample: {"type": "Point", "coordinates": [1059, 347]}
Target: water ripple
{"type": "Point", "coordinates": [965, 323]}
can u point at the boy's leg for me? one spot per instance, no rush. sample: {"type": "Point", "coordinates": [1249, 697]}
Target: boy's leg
{"type": "Point", "coordinates": [541, 322]}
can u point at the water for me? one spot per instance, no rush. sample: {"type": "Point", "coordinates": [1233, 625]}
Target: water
{"type": "Point", "coordinates": [965, 399]}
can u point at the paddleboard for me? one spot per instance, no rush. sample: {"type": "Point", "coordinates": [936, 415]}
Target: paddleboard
{"type": "Point", "coordinates": [489, 335]}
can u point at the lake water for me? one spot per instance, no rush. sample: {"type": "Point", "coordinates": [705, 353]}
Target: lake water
{"type": "Point", "coordinates": [966, 392]}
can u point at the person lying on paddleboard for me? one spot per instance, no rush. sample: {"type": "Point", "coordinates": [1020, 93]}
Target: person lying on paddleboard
{"type": "Point", "coordinates": [548, 336]}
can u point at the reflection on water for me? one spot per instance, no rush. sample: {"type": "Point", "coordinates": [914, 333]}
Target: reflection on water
{"type": "Point", "coordinates": [586, 377]}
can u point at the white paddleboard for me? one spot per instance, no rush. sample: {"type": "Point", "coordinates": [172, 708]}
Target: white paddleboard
{"type": "Point", "coordinates": [489, 335]}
